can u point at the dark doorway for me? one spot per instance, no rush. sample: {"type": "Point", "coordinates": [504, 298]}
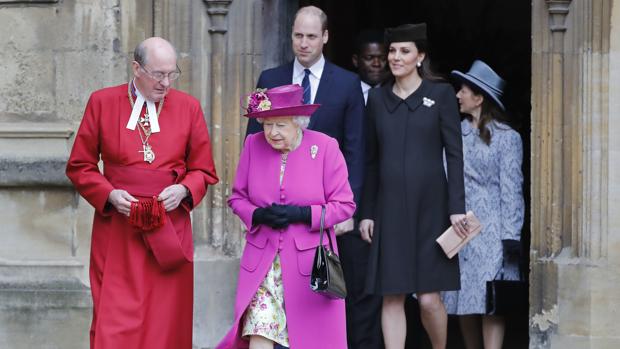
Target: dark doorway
{"type": "Point", "coordinates": [460, 31]}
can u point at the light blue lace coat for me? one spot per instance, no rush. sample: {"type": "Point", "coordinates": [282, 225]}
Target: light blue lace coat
{"type": "Point", "coordinates": [493, 191]}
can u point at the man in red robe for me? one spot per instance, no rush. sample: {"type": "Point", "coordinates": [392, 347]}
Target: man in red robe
{"type": "Point", "coordinates": [154, 145]}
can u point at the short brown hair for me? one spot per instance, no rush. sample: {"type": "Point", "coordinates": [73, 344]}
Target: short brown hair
{"type": "Point", "coordinates": [313, 10]}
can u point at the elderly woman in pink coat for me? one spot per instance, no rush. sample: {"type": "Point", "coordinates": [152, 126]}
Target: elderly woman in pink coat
{"type": "Point", "coordinates": [285, 176]}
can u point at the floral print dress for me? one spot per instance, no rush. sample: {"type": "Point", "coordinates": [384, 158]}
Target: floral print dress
{"type": "Point", "coordinates": [265, 315]}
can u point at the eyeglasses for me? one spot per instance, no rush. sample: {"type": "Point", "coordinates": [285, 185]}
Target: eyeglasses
{"type": "Point", "coordinates": [159, 76]}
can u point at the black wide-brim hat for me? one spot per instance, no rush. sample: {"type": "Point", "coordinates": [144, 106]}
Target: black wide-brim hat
{"type": "Point", "coordinates": [485, 79]}
{"type": "Point", "coordinates": [405, 33]}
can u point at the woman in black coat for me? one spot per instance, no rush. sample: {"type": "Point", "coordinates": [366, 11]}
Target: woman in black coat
{"type": "Point", "coordinates": [408, 201]}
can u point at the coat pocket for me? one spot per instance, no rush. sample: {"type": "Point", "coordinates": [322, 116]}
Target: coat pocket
{"type": "Point", "coordinates": [253, 252]}
{"type": "Point", "coordinates": [306, 248]}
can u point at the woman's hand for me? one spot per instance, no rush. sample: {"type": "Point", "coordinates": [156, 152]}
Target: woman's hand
{"type": "Point", "coordinates": [459, 224]}
{"type": "Point", "coordinates": [281, 216]}
{"type": "Point", "coordinates": [269, 216]}
{"type": "Point", "coordinates": [367, 227]}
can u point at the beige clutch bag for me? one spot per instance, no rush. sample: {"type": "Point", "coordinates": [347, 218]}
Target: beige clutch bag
{"type": "Point", "coordinates": [452, 243]}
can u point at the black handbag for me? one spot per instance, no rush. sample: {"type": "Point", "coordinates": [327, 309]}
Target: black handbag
{"type": "Point", "coordinates": [507, 297]}
{"type": "Point", "coordinates": [327, 277]}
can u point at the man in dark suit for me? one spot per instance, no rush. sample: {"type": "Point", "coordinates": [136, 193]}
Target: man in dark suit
{"type": "Point", "coordinates": [363, 310]}
{"type": "Point", "coordinates": [337, 90]}
{"type": "Point", "coordinates": [340, 116]}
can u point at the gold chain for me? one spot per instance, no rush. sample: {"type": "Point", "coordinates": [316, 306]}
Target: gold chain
{"type": "Point", "coordinates": [145, 139]}
{"type": "Point", "coordinates": [149, 154]}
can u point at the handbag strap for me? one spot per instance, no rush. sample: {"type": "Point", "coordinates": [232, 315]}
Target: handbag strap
{"type": "Point", "coordinates": [322, 230]}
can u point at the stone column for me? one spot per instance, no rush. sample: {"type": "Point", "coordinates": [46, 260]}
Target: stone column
{"type": "Point", "coordinates": [553, 135]}
{"type": "Point", "coordinates": [217, 11]}
{"type": "Point", "coordinates": [215, 269]}
{"type": "Point", "coordinates": [548, 171]}
{"type": "Point", "coordinates": [572, 260]}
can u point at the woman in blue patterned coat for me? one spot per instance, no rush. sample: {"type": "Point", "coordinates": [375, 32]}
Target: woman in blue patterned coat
{"type": "Point", "coordinates": [492, 156]}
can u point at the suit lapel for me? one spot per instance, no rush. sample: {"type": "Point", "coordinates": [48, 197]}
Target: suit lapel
{"type": "Point", "coordinates": [324, 84]}
{"type": "Point", "coordinates": [322, 90]}
{"type": "Point", "coordinates": [287, 75]}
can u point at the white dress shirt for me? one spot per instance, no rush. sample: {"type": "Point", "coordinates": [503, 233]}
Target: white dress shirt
{"type": "Point", "coordinates": [365, 89]}
{"type": "Point", "coordinates": [316, 70]}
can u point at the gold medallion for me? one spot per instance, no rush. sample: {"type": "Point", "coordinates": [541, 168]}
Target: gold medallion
{"type": "Point", "coordinates": [144, 124]}
{"type": "Point", "coordinates": [149, 154]}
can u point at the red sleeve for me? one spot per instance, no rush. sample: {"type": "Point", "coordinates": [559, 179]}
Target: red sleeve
{"type": "Point", "coordinates": [82, 167]}
{"type": "Point", "coordinates": [199, 159]}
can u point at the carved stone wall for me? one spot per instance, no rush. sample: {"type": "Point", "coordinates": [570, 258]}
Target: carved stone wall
{"type": "Point", "coordinates": [575, 274]}
{"type": "Point", "coordinates": [55, 53]}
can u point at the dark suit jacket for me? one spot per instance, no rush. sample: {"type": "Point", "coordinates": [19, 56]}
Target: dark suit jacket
{"type": "Point", "coordinates": [340, 116]}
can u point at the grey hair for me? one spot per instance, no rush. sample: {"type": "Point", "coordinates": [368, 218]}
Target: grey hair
{"type": "Point", "coordinates": [139, 54]}
{"type": "Point", "coordinates": [301, 121]}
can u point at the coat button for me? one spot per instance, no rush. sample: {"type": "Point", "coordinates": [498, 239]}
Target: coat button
{"type": "Point", "coordinates": [282, 196]}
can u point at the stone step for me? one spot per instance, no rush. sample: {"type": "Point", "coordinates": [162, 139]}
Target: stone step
{"type": "Point", "coordinates": [44, 296]}
{"type": "Point", "coordinates": [43, 304]}
{"type": "Point", "coordinates": [40, 270]}
{"type": "Point", "coordinates": [42, 284]}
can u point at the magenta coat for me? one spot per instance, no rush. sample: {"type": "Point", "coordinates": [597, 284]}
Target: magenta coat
{"type": "Point", "coordinates": [313, 320]}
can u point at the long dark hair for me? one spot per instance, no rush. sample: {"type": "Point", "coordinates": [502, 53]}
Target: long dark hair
{"type": "Point", "coordinates": [489, 111]}
{"type": "Point", "coordinates": [426, 71]}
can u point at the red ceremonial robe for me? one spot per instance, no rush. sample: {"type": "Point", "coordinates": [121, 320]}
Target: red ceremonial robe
{"type": "Point", "coordinates": [137, 304]}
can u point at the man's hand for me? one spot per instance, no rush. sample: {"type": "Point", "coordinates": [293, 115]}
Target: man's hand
{"type": "Point", "coordinates": [343, 227]}
{"type": "Point", "coordinates": [172, 196]}
{"type": "Point", "coordinates": [367, 227]}
{"type": "Point", "coordinates": [459, 224]}
{"type": "Point", "coordinates": [121, 200]}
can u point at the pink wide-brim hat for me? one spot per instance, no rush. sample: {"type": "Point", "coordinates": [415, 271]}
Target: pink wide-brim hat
{"type": "Point", "coordinates": [286, 100]}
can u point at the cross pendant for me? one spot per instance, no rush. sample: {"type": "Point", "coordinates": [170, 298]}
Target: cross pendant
{"type": "Point", "coordinates": [149, 155]}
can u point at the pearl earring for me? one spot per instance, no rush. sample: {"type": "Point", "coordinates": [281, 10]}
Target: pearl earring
{"type": "Point", "coordinates": [419, 64]}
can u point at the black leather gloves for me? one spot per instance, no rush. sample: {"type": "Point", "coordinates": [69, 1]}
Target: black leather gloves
{"type": "Point", "coordinates": [512, 248]}
{"type": "Point", "coordinates": [265, 215]}
{"type": "Point", "coordinates": [294, 214]}
{"type": "Point", "coordinates": [280, 216]}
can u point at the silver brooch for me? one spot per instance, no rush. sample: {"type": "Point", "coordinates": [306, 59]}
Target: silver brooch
{"type": "Point", "coordinates": [428, 102]}
{"type": "Point", "coordinates": [313, 151]}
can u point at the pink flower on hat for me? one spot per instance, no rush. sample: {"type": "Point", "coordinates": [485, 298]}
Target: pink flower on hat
{"type": "Point", "coordinates": [258, 101]}
{"type": "Point", "coordinates": [286, 100]}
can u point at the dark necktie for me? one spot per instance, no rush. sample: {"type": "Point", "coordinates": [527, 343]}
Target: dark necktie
{"type": "Point", "coordinates": [305, 84]}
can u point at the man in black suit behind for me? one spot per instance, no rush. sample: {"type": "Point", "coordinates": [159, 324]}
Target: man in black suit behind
{"type": "Point", "coordinates": [370, 60]}
{"type": "Point", "coordinates": [340, 116]}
